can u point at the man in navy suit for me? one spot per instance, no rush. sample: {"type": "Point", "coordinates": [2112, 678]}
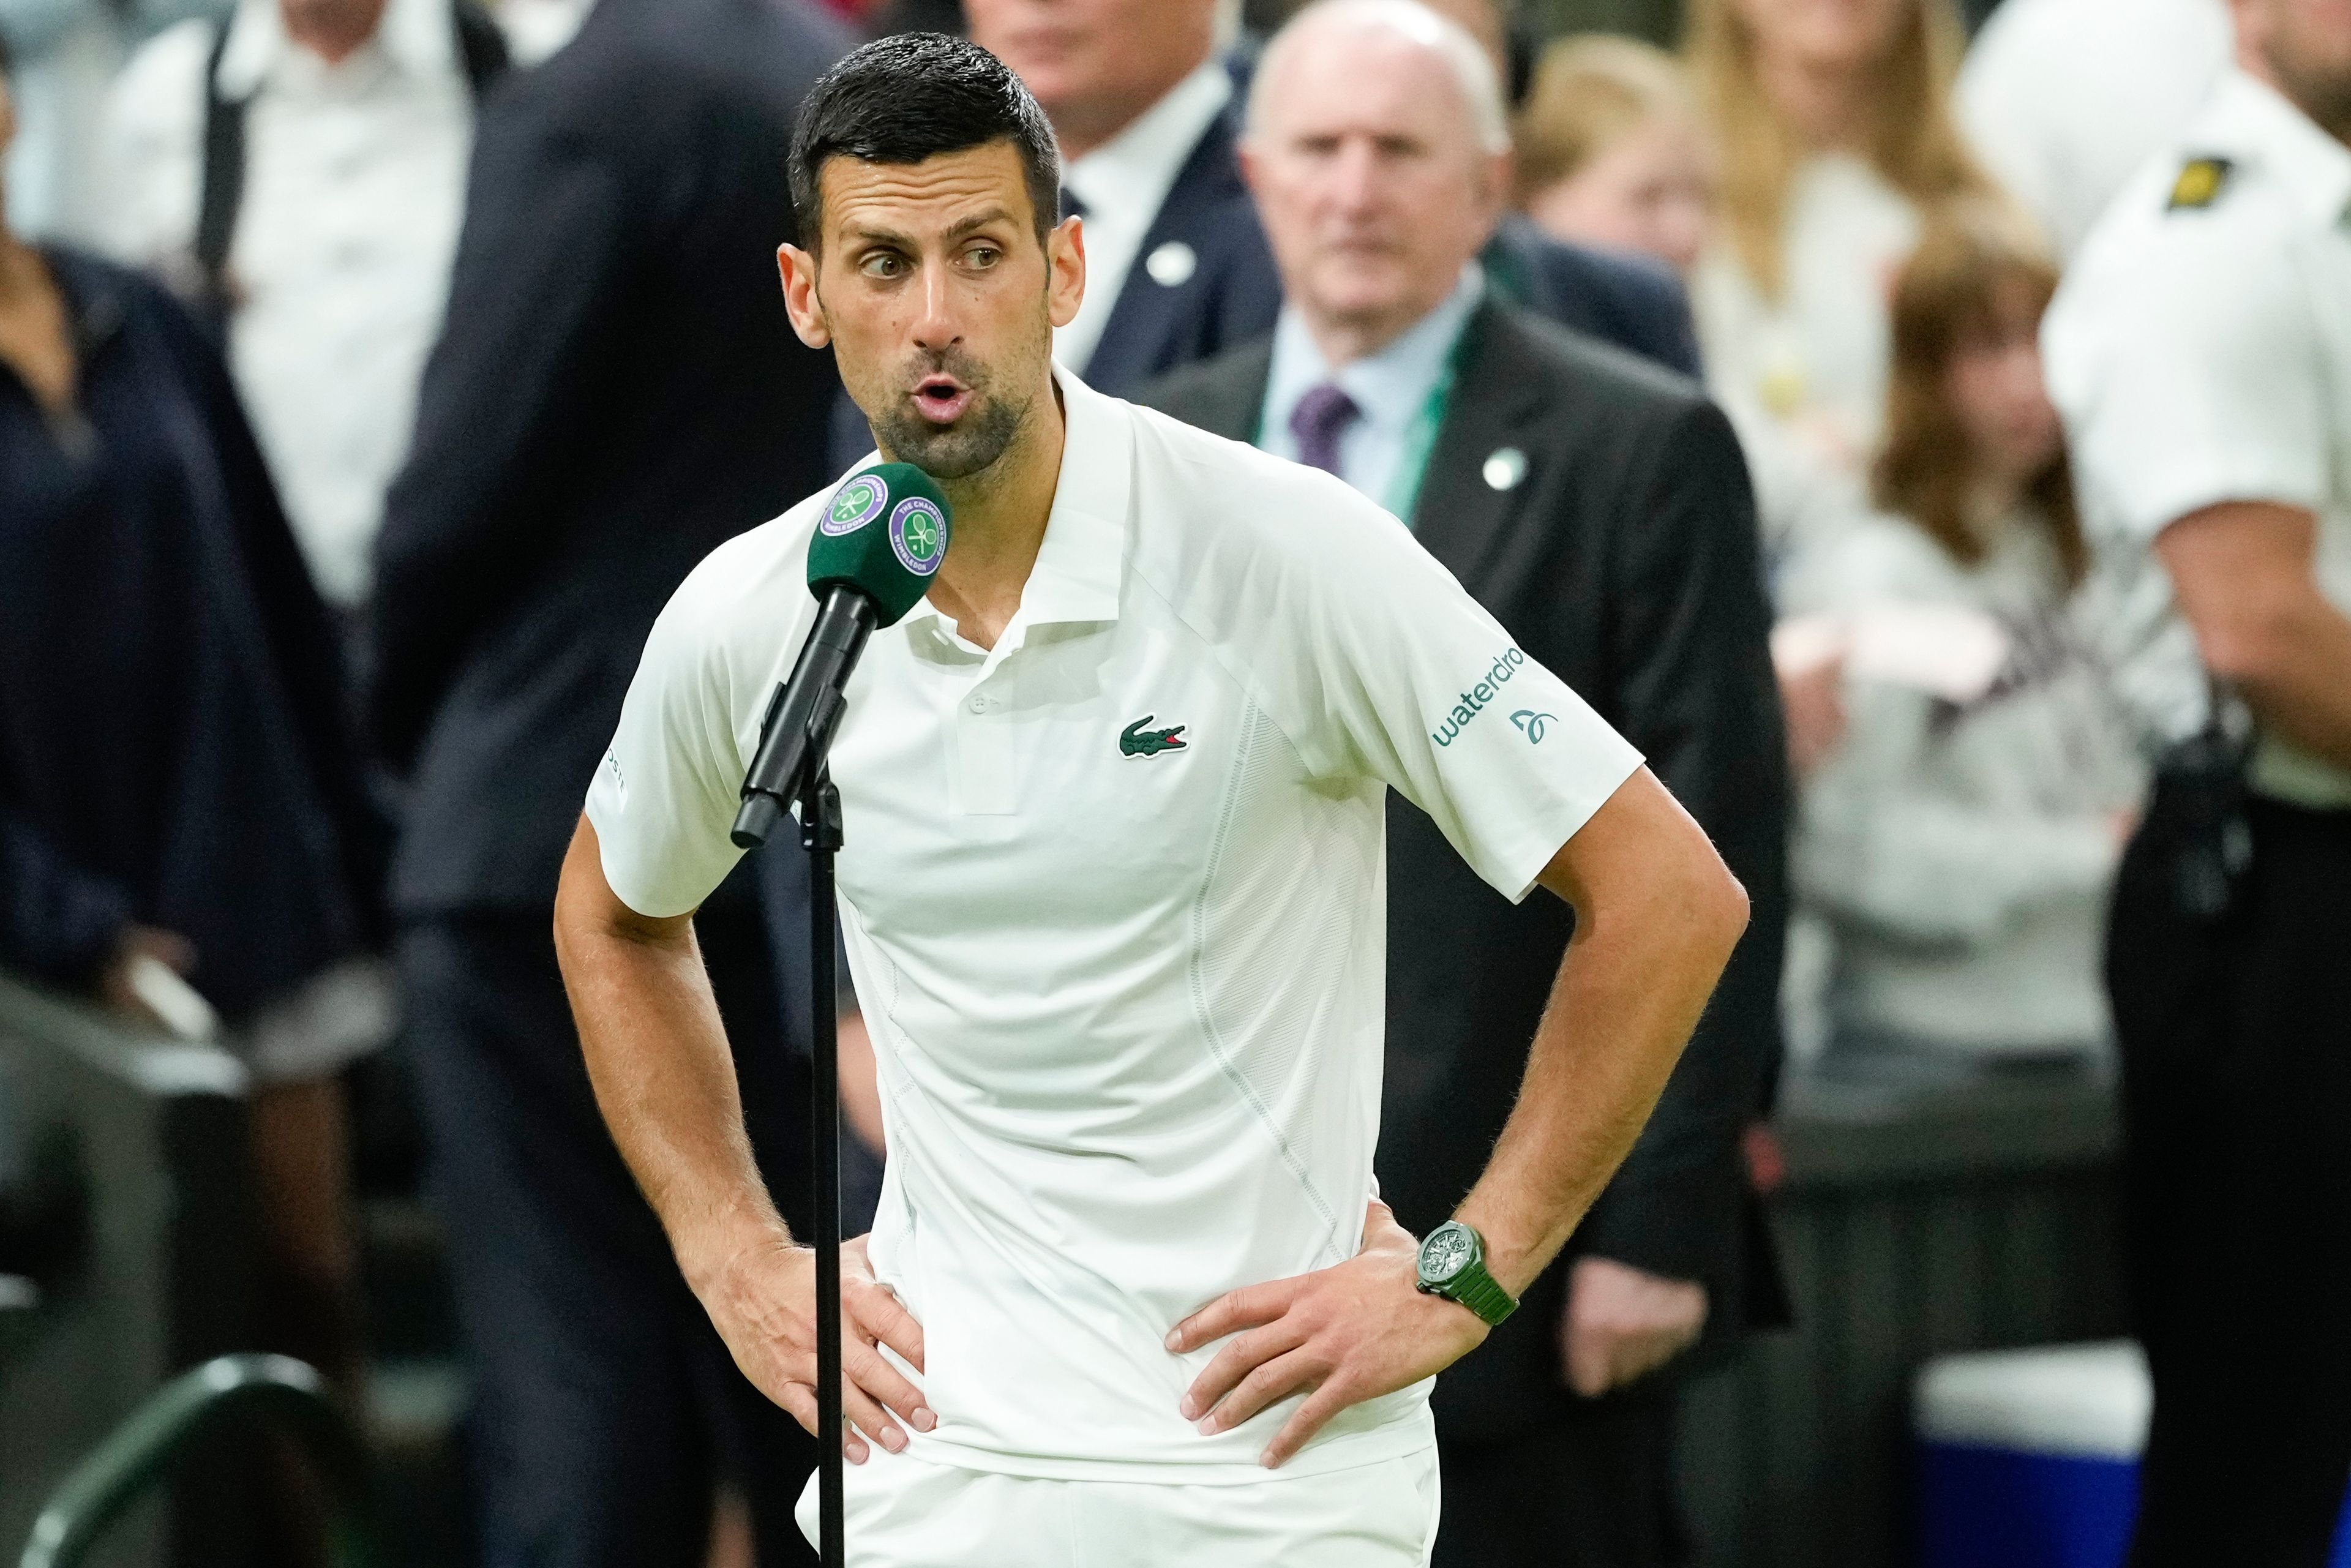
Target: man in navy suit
{"type": "Point", "coordinates": [1149, 119]}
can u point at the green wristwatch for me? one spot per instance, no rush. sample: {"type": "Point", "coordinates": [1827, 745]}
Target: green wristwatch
{"type": "Point", "coordinates": [1453, 1265]}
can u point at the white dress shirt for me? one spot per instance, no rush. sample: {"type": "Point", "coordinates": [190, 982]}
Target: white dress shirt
{"type": "Point", "coordinates": [2065, 98]}
{"type": "Point", "coordinates": [354, 190]}
{"type": "Point", "coordinates": [1123, 184]}
{"type": "Point", "coordinates": [1113, 898]}
{"type": "Point", "coordinates": [1391, 388]}
{"type": "Point", "coordinates": [2199, 350]}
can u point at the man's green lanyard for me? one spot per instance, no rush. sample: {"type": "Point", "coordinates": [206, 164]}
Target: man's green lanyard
{"type": "Point", "coordinates": [1419, 436]}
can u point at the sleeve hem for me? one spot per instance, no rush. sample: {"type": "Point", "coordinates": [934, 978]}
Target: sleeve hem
{"type": "Point", "coordinates": [2164, 498]}
{"type": "Point", "coordinates": [1522, 869]}
{"type": "Point", "coordinates": [624, 882]}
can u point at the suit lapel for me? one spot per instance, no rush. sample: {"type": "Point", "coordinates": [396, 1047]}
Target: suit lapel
{"type": "Point", "coordinates": [1462, 515]}
{"type": "Point", "coordinates": [1149, 317]}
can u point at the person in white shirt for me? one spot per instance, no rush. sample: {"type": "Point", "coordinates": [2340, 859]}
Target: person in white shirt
{"type": "Point", "coordinates": [1833, 130]}
{"type": "Point", "coordinates": [2201, 353]}
{"type": "Point", "coordinates": [2065, 98]}
{"type": "Point", "coordinates": [358, 119]}
{"type": "Point", "coordinates": [1131, 1297]}
{"type": "Point", "coordinates": [1961, 838]}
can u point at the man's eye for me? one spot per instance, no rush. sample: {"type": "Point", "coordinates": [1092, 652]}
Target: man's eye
{"type": "Point", "coordinates": [982, 257]}
{"type": "Point", "coordinates": [883, 263]}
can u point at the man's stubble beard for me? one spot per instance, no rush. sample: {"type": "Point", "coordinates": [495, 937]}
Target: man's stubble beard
{"type": "Point", "coordinates": [975, 443]}
{"type": "Point", "coordinates": [971, 446]}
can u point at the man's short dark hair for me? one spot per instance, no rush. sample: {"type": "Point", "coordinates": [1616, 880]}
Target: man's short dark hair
{"type": "Point", "coordinates": [914, 96]}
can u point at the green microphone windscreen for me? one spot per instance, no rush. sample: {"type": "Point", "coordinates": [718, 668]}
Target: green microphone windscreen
{"type": "Point", "coordinates": [884, 533]}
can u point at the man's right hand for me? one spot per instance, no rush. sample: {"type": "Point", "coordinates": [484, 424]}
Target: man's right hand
{"type": "Point", "coordinates": [763, 1303]}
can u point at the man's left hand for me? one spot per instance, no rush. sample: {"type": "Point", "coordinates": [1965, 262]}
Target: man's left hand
{"type": "Point", "coordinates": [1340, 1335]}
{"type": "Point", "coordinates": [1623, 1323]}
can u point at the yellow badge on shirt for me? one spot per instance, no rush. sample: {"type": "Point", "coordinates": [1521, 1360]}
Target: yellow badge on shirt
{"type": "Point", "coordinates": [2200, 183]}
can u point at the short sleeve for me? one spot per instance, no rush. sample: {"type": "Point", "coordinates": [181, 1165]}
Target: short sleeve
{"type": "Point", "coordinates": [2191, 378]}
{"type": "Point", "coordinates": [665, 795]}
{"type": "Point", "coordinates": [1424, 690]}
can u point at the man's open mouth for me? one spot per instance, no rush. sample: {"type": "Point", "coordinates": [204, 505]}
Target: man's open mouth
{"type": "Point", "coordinates": [942, 399]}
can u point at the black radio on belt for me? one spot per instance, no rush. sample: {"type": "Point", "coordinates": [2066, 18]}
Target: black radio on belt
{"type": "Point", "coordinates": [2203, 783]}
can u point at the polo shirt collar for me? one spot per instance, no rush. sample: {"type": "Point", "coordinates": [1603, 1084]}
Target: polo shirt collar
{"type": "Point", "coordinates": [1082, 557]}
{"type": "Point", "coordinates": [2250, 118]}
{"type": "Point", "coordinates": [415, 36]}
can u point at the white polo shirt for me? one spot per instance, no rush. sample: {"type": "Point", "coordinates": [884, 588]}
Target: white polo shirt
{"type": "Point", "coordinates": [2200, 352]}
{"type": "Point", "coordinates": [1114, 900]}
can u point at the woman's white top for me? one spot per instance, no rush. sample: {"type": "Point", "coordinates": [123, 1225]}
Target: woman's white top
{"type": "Point", "coordinates": [1814, 360]}
{"type": "Point", "coordinates": [1960, 842]}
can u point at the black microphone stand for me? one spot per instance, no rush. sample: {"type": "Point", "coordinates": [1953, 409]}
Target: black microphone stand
{"type": "Point", "coordinates": [820, 835]}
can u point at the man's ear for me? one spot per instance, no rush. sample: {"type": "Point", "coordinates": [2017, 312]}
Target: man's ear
{"type": "Point", "coordinates": [797, 268]}
{"type": "Point", "coordinates": [1065, 276]}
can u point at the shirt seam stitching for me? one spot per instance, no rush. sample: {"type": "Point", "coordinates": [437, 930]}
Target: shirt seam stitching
{"type": "Point", "coordinates": [1196, 982]}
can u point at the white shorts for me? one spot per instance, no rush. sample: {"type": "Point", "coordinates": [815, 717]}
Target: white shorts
{"type": "Point", "coordinates": [903, 1512]}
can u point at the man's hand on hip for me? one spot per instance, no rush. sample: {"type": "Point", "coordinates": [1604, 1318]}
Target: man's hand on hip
{"type": "Point", "coordinates": [764, 1305]}
{"type": "Point", "coordinates": [1340, 1335]}
{"type": "Point", "coordinates": [1623, 1324]}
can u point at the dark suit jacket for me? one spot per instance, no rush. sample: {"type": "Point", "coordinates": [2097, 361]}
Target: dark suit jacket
{"type": "Point", "coordinates": [1231, 294]}
{"type": "Point", "coordinates": [1628, 300]}
{"type": "Point", "coordinates": [616, 390]}
{"type": "Point", "coordinates": [1625, 561]}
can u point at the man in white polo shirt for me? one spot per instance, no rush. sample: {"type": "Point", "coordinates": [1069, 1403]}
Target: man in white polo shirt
{"type": "Point", "coordinates": [1114, 802]}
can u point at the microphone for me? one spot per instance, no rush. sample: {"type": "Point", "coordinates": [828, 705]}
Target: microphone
{"type": "Point", "coordinates": [875, 550]}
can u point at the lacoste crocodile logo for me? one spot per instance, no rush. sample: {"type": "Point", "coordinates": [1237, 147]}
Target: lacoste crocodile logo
{"type": "Point", "coordinates": [1136, 741]}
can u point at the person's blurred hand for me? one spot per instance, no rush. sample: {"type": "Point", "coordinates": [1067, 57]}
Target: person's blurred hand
{"type": "Point", "coordinates": [1767, 1162]}
{"type": "Point", "coordinates": [117, 983]}
{"type": "Point", "coordinates": [1812, 696]}
{"type": "Point", "coordinates": [763, 1303]}
{"type": "Point", "coordinates": [1623, 1324]}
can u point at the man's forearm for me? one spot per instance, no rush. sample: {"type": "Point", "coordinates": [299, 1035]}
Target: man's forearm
{"type": "Point", "coordinates": [1643, 959]}
{"type": "Point", "coordinates": [2303, 693]}
{"type": "Point", "coordinates": [664, 1078]}
{"type": "Point", "coordinates": [2245, 575]}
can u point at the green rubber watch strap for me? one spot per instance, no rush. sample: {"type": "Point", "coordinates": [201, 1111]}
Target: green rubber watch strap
{"type": "Point", "coordinates": [1482, 1294]}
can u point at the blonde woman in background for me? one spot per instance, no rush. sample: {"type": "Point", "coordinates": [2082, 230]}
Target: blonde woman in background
{"type": "Point", "coordinates": [1961, 838]}
{"type": "Point", "coordinates": [1834, 130]}
{"type": "Point", "coordinates": [1611, 151]}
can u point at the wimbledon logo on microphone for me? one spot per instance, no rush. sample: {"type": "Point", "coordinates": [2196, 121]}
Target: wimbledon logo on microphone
{"type": "Point", "coordinates": [855, 504]}
{"type": "Point", "coordinates": [918, 534]}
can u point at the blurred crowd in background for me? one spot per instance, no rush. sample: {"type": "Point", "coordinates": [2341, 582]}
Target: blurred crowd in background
{"type": "Point", "coordinates": [311, 629]}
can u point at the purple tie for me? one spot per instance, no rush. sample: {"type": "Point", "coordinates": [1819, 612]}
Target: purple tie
{"type": "Point", "coordinates": [1321, 417]}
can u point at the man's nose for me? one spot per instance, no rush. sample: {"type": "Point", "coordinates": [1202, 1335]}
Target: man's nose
{"type": "Point", "coordinates": [1355, 177]}
{"type": "Point", "coordinates": [937, 325]}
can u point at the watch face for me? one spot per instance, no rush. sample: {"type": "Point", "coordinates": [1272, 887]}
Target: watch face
{"type": "Point", "coordinates": [1447, 1251]}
